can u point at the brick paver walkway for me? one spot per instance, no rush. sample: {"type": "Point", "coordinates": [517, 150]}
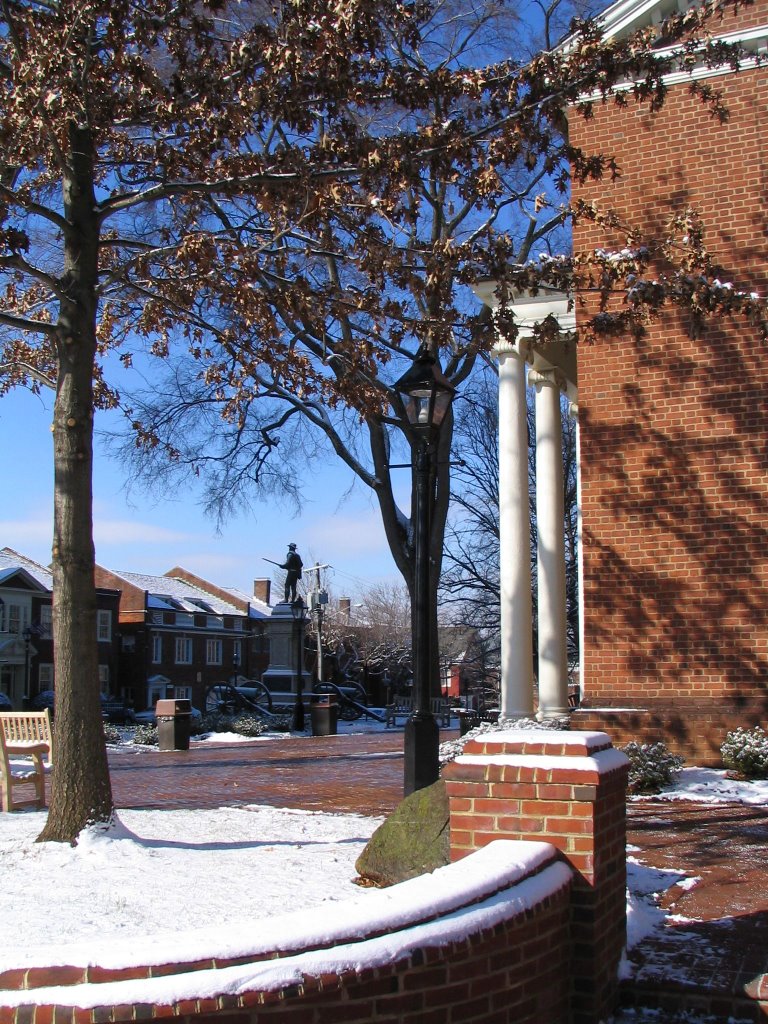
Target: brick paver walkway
{"type": "Point", "coordinates": [716, 963]}
{"type": "Point", "coordinates": [359, 773]}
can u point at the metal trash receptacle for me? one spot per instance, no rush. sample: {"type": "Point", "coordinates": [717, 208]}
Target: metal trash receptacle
{"type": "Point", "coordinates": [324, 714]}
{"type": "Point", "coordinates": [174, 719]}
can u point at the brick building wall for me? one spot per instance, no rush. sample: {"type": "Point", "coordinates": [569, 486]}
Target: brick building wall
{"type": "Point", "coordinates": [674, 433]}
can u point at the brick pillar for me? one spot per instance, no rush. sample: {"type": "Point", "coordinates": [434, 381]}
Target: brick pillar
{"type": "Point", "coordinates": [568, 789]}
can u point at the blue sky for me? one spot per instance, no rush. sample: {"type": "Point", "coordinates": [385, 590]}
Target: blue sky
{"type": "Point", "coordinates": [140, 534]}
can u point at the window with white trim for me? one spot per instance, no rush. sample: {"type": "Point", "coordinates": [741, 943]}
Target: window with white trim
{"type": "Point", "coordinates": [45, 676]}
{"type": "Point", "coordinates": [183, 650]}
{"type": "Point", "coordinates": [103, 625]}
{"type": "Point", "coordinates": [213, 652]}
{"type": "Point", "coordinates": [18, 617]}
{"type": "Point", "coordinates": [157, 648]}
{"type": "Point", "coordinates": [46, 621]}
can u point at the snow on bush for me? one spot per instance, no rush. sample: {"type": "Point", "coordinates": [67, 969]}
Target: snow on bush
{"type": "Point", "coordinates": [745, 751]}
{"type": "Point", "coordinates": [245, 724]}
{"type": "Point", "coordinates": [452, 749]}
{"type": "Point", "coordinates": [112, 733]}
{"type": "Point", "coordinates": [145, 735]}
{"type": "Point", "coordinates": [651, 766]}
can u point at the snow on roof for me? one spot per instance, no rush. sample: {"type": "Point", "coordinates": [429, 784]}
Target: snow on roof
{"type": "Point", "coordinates": [12, 561]}
{"type": "Point", "coordinates": [171, 593]}
{"type": "Point", "coordinates": [259, 609]}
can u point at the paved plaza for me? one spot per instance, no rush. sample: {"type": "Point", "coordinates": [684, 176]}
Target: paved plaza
{"type": "Point", "coordinates": [701, 964]}
{"type": "Point", "coordinates": [361, 773]}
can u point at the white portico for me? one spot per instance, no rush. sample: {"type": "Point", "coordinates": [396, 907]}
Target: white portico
{"type": "Point", "coordinates": [550, 367]}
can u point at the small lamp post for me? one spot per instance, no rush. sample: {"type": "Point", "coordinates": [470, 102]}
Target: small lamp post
{"type": "Point", "coordinates": [27, 634]}
{"type": "Point", "coordinates": [427, 395]}
{"type": "Point", "coordinates": [297, 610]}
{"type": "Point", "coordinates": [235, 666]}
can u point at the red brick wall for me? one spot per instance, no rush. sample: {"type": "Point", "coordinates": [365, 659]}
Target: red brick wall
{"type": "Point", "coordinates": [516, 972]}
{"type": "Point", "coordinates": [674, 430]}
{"type": "Point", "coordinates": [515, 789]}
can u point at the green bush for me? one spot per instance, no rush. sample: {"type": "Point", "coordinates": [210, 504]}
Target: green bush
{"type": "Point", "coordinates": [245, 724]}
{"type": "Point", "coordinates": [145, 735]}
{"type": "Point", "coordinates": [651, 766]}
{"type": "Point", "coordinates": [216, 722]}
{"type": "Point", "coordinates": [111, 733]}
{"type": "Point", "coordinates": [250, 725]}
{"type": "Point", "coordinates": [745, 751]}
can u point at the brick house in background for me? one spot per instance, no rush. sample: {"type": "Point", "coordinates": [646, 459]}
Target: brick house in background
{"type": "Point", "coordinates": [180, 634]}
{"type": "Point", "coordinates": [26, 635]}
{"type": "Point", "coordinates": [674, 426]}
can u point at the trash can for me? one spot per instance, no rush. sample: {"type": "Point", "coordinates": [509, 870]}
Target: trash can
{"type": "Point", "coordinates": [174, 718]}
{"type": "Point", "coordinates": [324, 714]}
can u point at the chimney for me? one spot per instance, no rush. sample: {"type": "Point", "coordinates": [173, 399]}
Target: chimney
{"type": "Point", "coordinates": [345, 607]}
{"type": "Point", "coordinates": [261, 589]}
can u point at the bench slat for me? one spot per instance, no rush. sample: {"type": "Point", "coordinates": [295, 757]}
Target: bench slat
{"type": "Point", "coordinates": [24, 734]}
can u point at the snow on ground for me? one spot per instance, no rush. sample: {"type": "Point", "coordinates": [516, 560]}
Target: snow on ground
{"type": "Point", "coordinates": [709, 785]}
{"type": "Point", "coordinates": [159, 871]}
{"type": "Point", "coordinates": [645, 884]}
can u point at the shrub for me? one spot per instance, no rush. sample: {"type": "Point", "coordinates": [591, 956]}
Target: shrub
{"type": "Point", "coordinates": [280, 723]}
{"type": "Point", "coordinates": [249, 725]}
{"type": "Point", "coordinates": [111, 733]}
{"type": "Point", "coordinates": [145, 735]}
{"type": "Point", "coordinates": [216, 722]}
{"type": "Point", "coordinates": [651, 766]}
{"type": "Point", "coordinates": [745, 751]}
{"type": "Point", "coordinates": [245, 724]}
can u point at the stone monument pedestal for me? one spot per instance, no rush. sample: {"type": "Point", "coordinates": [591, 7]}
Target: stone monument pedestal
{"type": "Point", "coordinates": [282, 676]}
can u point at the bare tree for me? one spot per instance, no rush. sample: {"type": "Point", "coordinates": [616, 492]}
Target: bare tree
{"type": "Point", "coordinates": [127, 131]}
{"type": "Point", "coordinates": [384, 270]}
{"type": "Point", "coordinates": [470, 584]}
{"type": "Point", "coordinates": [298, 194]}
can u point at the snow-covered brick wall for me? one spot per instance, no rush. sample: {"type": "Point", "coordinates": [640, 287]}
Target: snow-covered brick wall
{"type": "Point", "coordinates": [568, 789]}
{"type": "Point", "coordinates": [465, 943]}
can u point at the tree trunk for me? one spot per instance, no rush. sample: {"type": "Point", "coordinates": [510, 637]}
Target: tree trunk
{"type": "Point", "coordinates": [400, 535]}
{"type": "Point", "coordinates": [81, 791]}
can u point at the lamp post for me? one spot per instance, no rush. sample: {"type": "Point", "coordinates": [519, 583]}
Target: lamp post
{"type": "Point", "coordinates": [427, 395]}
{"type": "Point", "coordinates": [297, 610]}
{"type": "Point", "coordinates": [27, 635]}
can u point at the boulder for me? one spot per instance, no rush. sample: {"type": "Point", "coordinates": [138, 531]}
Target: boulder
{"type": "Point", "coordinates": [412, 841]}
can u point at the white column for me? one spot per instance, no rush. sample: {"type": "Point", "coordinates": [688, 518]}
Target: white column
{"type": "Point", "coordinates": [573, 413]}
{"type": "Point", "coordinates": [550, 498]}
{"type": "Point", "coordinates": [514, 537]}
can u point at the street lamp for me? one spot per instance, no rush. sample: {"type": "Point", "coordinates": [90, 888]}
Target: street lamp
{"type": "Point", "coordinates": [27, 633]}
{"type": "Point", "coordinates": [427, 395]}
{"type": "Point", "coordinates": [297, 610]}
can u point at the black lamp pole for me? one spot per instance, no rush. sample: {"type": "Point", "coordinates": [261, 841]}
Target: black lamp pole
{"type": "Point", "coordinates": [297, 610]}
{"type": "Point", "coordinates": [427, 395]}
{"type": "Point", "coordinates": [27, 634]}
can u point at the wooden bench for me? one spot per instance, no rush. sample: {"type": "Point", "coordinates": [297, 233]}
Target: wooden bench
{"type": "Point", "coordinates": [25, 740]}
{"type": "Point", "coordinates": [402, 707]}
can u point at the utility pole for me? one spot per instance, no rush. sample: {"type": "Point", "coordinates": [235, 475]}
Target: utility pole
{"type": "Point", "coordinates": [318, 598]}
